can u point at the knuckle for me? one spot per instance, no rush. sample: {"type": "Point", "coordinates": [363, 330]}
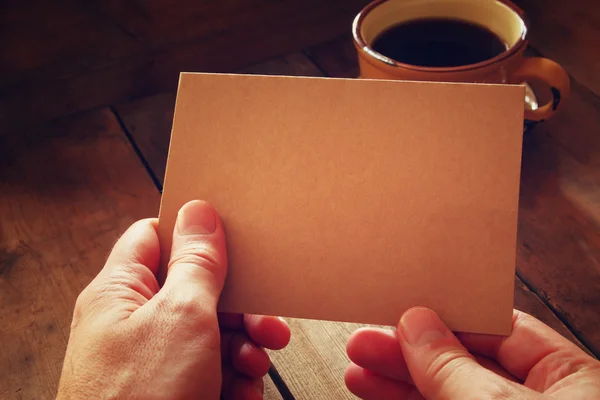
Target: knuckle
{"type": "Point", "coordinates": [196, 255]}
{"type": "Point", "coordinates": [89, 301]}
{"type": "Point", "coordinates": [122, 276]}
{"type": "Point", "coordinates": [145, 277]}
{"type": "Point", "coordinates": [454, 366]}
{"type": "Point", "coordinates": [189, 315]}
{"type": "Point", "coordinates": [134, 276]}
{"type": "Point", "coordinates": [502, 390]}
{"type": "Point", "coordinates": [93, 299]}
{"type": "Point", "coordinates": [79, 309]}
{"type": "Point", "coordinates": [184, 306]}
{"type": "Point", "coordinates": [562, 363]}
{"type": "Point", "coordinates": [210, 338]}
{"type": "Point", "coordinates": [448, 364]}
{"type": "Point", "coordinates": [81, 300]}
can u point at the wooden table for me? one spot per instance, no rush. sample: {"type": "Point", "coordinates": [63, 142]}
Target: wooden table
{"type": "Point", "coordinates": [71, 183]}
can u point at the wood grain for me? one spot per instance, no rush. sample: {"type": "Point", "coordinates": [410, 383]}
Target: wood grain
{"type": "Point", "coordinates": [145, 47]}
{"type": "Point", "coordinates": [36, 47]}
{"type": "Point", "coordinates": [71, 187]}
{"type": "Point", "coordinates": [568, 33]}
{"type": "Point", "coordinates": [529, 302]}
{"type": "Point", "coordinates": [336, 58]}
{"type": "Point", "coordinates": [271, 392]}
{"type": "Point", "coordinates": [67, 194]}
{"type": "Point", "coordinates": [559, 244]}
{"type": "Point", "coordinates": [314, 362]}
{"type": "Point", "coordinates": [148, 120]}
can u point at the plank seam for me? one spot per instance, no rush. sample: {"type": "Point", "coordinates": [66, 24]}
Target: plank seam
{"type": "Point", "coordinates": [137, 150]}
{"type": "Point", "coordinates": [280, 384]}
{"type": "Point", "coordinates": [588, 345]}
{"type": "Point", "coordinates": [314, 62]}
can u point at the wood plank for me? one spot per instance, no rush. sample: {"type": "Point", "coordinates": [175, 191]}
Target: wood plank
{"type": "Point", "coordinates": [148, 120]}
{"type": "Point", "coordinates": [576, 127]}
{"type": "Point", "coordinates": [67, 194]}
{"type": "Point", "coordinates": [225, 44]}
{"type": "Point", "coordinates": [319, 344]}
{"type": "Point", "coordinates": [41, 40]}
{"type": "Point", "coordinates": [271, 392]}
{"type": "Point", "coordinates": [314, 362]}
{"type": "Point", "coordinates": [160, 24]}
{"type": "Point", "coordinates": [66, 197]}
{"type": "Point", "coordinates": [568, 33]}
{"type": "Point", "coordinates": [558, 242]}
{"type": "Point", "coordinates": [336, 57]}
{"type": "Point", "coordinates": [529, 302]}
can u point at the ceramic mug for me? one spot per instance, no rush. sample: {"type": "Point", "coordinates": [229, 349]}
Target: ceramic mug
{"type": "Point", "coordinates": [502, 18]}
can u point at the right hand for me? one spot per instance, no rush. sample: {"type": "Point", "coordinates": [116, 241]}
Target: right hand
{"type": "Point", "coordinates": [423, 359]}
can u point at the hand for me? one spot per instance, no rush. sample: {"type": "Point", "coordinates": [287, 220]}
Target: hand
{"type": "Point", "coordinates": [425, 360]}
{"type": "Point", "coordinates": [132, 339]}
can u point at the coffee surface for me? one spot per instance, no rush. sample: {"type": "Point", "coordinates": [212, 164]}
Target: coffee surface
{"type": "Point", "coordinates": [438, 43]}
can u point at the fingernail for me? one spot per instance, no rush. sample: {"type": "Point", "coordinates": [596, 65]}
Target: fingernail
{"type": "Point", "coordinates": [196, 218]}
{"type": "Point", "coordinates": [259, 385]}
{"type": "Point", "coordinates": [421, 326]}
{"type": "Point", "coordinates": [257, 389]}
{"type": "Point", "coordinates": [257, 394]}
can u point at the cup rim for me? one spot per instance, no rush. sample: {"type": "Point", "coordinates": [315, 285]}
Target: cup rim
{"type": "Point", "coordinates": [361, 43]}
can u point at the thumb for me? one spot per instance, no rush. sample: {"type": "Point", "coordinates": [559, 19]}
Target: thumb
{"type": "Point", "coordinates": [440, 366]}
{"type": "Point", "coordinates": [198, 264]}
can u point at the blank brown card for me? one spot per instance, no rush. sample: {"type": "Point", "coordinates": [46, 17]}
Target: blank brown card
{"type": "Point", "coordinates": [353, 200]}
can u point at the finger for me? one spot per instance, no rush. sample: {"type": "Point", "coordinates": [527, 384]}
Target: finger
{"type": "Point", "coordinates": [270, 341]}
{"type": "Point", "coordinates": [248, 358]}
{"type": "Point", "coordinates": [496, 368]}
{"type": "Point", "coordinates": [226, 337]}
{"type": "Point", "coordinates": [237, 386]}
{"type": "Point", "coordinates": [439, 364]}
{"type": "Point", "coordinates": [242, 388]}
{"type": "Point", "coordinates": [531, 345]}
{"type": "Point", "coordinates": [231, 321]}
{"type": "Point", "coordinates": [198, 264]}
{"type": "Point", "coordinates": [267, 331]}
{"type": "Point", "coordinates": [228, 374]}
{"type": "Point", "coordinates": [135, 258]}
{"type": "Point", "coordinates": [368, 385]}
{"type": "Point", "coordinates": [378, 351]}
{"type": "Point", "coordinates": [187, 302]}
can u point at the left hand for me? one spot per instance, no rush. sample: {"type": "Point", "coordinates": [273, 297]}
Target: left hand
{"type": "Point", "coordinates": [132, 339]}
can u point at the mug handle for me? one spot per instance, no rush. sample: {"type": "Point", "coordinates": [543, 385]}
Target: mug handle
{"type": "Point", "coordinates": [550, 73]}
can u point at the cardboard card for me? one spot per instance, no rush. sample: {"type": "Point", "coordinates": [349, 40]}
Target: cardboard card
{"type": "Point", "coordinates": [353, 200]}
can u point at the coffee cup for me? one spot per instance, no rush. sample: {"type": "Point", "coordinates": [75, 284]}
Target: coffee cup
{"type": "Point", "coordinates": [478, 41]}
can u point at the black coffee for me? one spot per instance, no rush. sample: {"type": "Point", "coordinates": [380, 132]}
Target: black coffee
{"type": "Point", "coordinates": [438, 43]}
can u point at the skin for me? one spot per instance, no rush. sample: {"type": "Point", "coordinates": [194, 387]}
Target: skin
{"type": "Point", "coordinates": [423, 359]}
{"type": "Point", "coordinates": [131, 338]}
